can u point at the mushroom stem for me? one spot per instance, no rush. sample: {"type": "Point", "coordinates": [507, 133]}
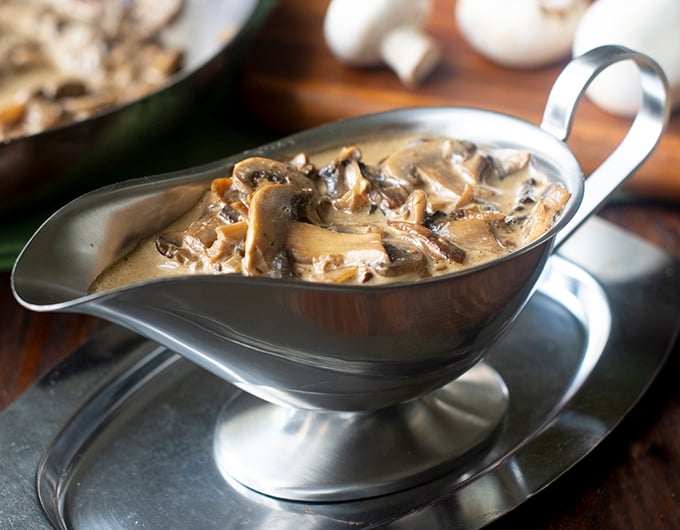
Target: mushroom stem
{"type": "Point", "coordinates": [369, 33]}
{"type": "Point", "coordinates": [411, 53]}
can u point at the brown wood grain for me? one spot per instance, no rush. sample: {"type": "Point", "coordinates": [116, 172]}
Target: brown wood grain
{"type": "Point", "coordinates": [32, 343]}
{"type": "Point", "coordinates": [291, 82]}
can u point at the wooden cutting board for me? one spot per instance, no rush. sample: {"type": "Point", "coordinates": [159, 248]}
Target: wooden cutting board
{"type": "Point", "coordinates": [291, 81]}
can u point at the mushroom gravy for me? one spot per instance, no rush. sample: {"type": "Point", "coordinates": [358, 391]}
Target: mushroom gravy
{"type": "Point", "coordinates": [427, 206]}
{"type": "Point", "coordinates": [64, 60]}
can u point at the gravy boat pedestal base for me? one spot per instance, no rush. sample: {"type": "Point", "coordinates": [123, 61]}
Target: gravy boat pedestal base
{"type": "Point", "coordinates": [335, 456]}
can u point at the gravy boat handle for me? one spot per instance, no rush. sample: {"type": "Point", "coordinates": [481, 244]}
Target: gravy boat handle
{"type": "Point", "coordinates": [643, 135]}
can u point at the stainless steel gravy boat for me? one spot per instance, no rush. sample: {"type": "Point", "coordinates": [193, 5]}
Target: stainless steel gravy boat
{"type": "Point", "coordinates": [337, 357]}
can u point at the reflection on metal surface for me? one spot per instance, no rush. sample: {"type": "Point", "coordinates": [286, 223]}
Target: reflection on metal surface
{"type": "Point", "coordinates": [334, 456]}
{"type": "Point", "coordinates": [615, 264]}
{"type": "Point", "coordinates": [585, 299]}
{"type": "Point", "coordinates": [85, 425]}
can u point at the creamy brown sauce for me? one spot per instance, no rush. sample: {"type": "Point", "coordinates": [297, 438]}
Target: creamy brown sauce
{"type": "Point", "coordinates": [64, 60]}
{"type": "Point", "coordinates": [381, 212]}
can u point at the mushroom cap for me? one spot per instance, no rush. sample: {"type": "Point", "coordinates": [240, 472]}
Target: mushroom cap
{"type": "Point", "coordinates": [647, 26]}
{"type": "Point", "coordinates": [520, 33]}
{"type": "Point", "coordinates": [355, 29]}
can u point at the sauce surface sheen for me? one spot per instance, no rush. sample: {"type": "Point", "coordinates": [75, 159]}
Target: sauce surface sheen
{"type": "Point", "coordinates": [384, 211]}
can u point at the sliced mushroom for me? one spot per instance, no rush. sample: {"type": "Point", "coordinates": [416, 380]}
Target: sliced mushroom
{"type": "Point", "coordinates": [196, 240]}
{"type": "Point", "coordinates": [388, 196]}
{"type": "Point", "coordinates": [332, 175]}
{"type": "Point", "coordinates": [474, 230]}
{"type": "Point", "coordinates": [167, 243]}
{"type": "Point", "coordinates": [150, 16]}
{"type": "Point", "coordinates": [40, 114]}
{"type": "Point", "coordinates": [11, 113]}
{"type": "Point", "coordinates": [228, 238]}
{"type": "Point", "coordinates": [273, 208]}
{"type": "Point", "coordinates": [356, 196]}
{"type": "Point", "coordinates": [233, 208]}
{"type": "Point", "coordinates": [424, 162]}
{"type": "Point", "coordinates": [414, 209]}
{"type": "Point", "coordinates": [467, 160]}
{"type": "Point", "coordinates": [86, 105]}
{"type": "Point", "coordinates": [526, 195]}
{"type": "Point", "coordinates": [404, 260]}
{"type": "Point", "coordinates": [231, 213]}
{"type": "Point", "coordinates": [21, 56]}
{"type": "Point", "coordinates": [542, 216]}
{"type": "Point", "coordinates": [157, 63]}
{"type": "Point", "coordinates": [344, 275]}
{"type": "Point", "coordinates": [222, 187]}
{"type": "Point", "coordinates": [65, 88]}
{"type": "Point", "coordinates": [255, 171]}
{"type": "Point", "coordinates": [427, 240]}
{"type": "Point", "coordinates": [84, 11]}
{"type": "Point", "coordinates": [263, 220]}
{"type": "Point", "coordinates": [466, 197]}
{"type": "Point", "coordinates": [202, 233]}
{"type": "Point", "coordinates": [170, 245]}
{"type": "Point", "coordinates": [510, 162]}
{"type": "Point", "coordinates": [301, 162]}
{"type": "Point", "coordinates": [381, 193]}
{"type": "Point", "coordinates": [77, 49]}
{"type": "Point", "coordinates": [309, 244]}
{"type": "Point", "coordinates": [435, 220]}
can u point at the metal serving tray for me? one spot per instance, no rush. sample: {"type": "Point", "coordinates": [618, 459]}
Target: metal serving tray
{"type": "Point", "coordinates": [120, 435]}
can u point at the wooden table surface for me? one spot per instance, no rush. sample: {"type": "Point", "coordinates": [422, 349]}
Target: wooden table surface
{"type": "Point", "coordinates": [291, 81]}
{"type": "Point", "coordinates": [632, 480]}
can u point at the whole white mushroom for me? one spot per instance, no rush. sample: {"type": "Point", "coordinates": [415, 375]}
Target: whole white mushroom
{"type": "Point", "coordinates": [373, 32]}
{"type": "Point", "coordinates": [648, 26]}
{"type": "Point", "coordinates": [520, 33]}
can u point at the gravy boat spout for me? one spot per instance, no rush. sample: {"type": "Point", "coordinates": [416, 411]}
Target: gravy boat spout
{"type": "Point", "coordinates": [321, 346]}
